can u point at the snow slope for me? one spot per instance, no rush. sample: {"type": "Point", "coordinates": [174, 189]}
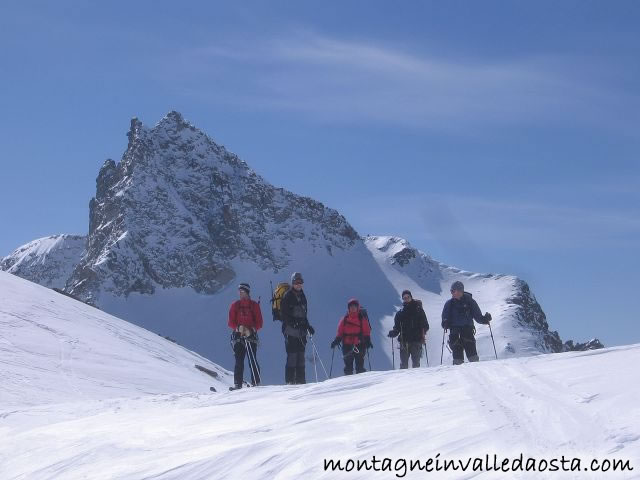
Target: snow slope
{"type": "Point", "coordinates": [580, 404]}
{"type": "Point", "coordinates": [86, 395]}
{"type": "Point", "coordinates": [56, 349]}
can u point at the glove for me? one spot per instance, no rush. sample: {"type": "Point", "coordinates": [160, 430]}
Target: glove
{"type": "Point", "coordinates": [487, 317]}
{"type": "Point", "coordinates": [366, 341]}
{"type": "Point", "coordinates": [393, 333]}
{"type": "Point", "coordinates": [336, 342]}
{"type": "Point", "coordinates": [445, 324]}
{"type": "Point", "coordinates": [235, 335]}
{"type": "Point", "coordinates": [311, 330]}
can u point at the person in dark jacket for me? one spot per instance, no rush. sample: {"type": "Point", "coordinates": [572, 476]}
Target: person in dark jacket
{"type": "Point", "coordinates": [354, 332]}
{"type": "Point", "coordinates": [458, 315]}
{"type": "Point", "coordinates": [295, 326]}
{"type": "Point", "coordinates": [245, 319]}
{"type": "Point", "coordinates": [410, 325]}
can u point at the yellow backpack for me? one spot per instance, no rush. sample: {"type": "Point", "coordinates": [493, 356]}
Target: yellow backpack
{"type": "Point", "coordinates": [276, 298]}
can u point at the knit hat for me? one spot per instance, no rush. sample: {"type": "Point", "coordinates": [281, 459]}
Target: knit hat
{"type": "Point", "coordinates": [406, 292]}
{"type": "Point", "coordinates": [296, 277]}
{"type": "Point", "coordinates": [245, 287]}
{"type": "Point", "coordinates": [353, 301]}
{"type": "Point", "coordinates": [457, 285]}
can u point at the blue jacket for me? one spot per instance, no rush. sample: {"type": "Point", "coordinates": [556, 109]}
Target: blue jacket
{"type": "Point", "coordinates": [460, 313]}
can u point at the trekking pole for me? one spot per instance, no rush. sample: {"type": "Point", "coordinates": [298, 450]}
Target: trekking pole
{"type": "Point", "coordinates": [315, 349]}
{"type": "Point", "coordinates": [315, 368]}
{"type": "Point", "coordinates": [253, 363]}
{"type": "Point", "coordinates": [252, 357]}
{"type": "Point", "coordinates": [393, 354]}
{"type": "Point", "coordinates": [333, 351]}
{"type": "Point", "coordinates": [442, 352]}
{"type": "Point", "coordinates": [494, 343]}
{"type": "Point", "coordinates": [426, 355]}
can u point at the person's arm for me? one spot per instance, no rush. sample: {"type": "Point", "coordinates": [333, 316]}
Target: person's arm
{"type": "Point", "coordinates": [424, 321]}
{"type": "Point", "coordinates": [257, 314]}
{"type": "Point", "coordinates": [233, 324]}
{"type": "Point", "coordinates": [366, 328]}
{"type": "Point", "coordinates": [339, 333]}
{"type": "Point", "coordinates": [446, 312]}
{"type": "Point", "coordinates": [477, 313]}
{"type": "Point", "coordinates": [285, 308]}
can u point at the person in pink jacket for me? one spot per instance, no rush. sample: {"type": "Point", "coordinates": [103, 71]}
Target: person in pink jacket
{"type": "Point", "coordinates": [354, 332]}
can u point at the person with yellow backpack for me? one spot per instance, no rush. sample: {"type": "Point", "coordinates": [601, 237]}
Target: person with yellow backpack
{"type": "Point", "coordinates": [295, 326]}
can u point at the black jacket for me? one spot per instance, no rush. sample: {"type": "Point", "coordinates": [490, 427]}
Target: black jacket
{"type": "Point", "coordinates": [293, 310]}
{"type": "Point", "coordinates": [460, 313]}
{"type": "Point", "coordinates": [411, 322]}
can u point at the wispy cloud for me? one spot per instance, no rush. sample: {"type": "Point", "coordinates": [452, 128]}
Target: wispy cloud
{"type": "Point", "coordinates": [351, 81]}
{"type": "Point", "coordinates": [477, 223]}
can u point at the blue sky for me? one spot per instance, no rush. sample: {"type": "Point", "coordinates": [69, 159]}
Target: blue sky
{"type": "Point", "coordinates": [496, 136]}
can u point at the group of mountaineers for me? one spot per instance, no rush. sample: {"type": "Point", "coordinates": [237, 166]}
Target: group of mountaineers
{"type": "Point", "coordinates": [289, 305]}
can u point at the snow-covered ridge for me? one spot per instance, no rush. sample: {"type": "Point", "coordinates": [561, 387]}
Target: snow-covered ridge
{"type": "Point", "coordinates": [48, 261]}
{"type": "Point", "coordinates": [55, 349]}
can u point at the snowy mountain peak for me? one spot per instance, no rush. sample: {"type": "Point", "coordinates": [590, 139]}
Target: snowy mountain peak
{"type": "Point", "coordinates": [48, 261]}
{"type": "Point", "coordinates": [179, 208]}
{"type": "Point", "coordinates": [398, 249]}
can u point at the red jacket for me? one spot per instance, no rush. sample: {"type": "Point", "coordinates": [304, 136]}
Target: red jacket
{"type": "Point", "coordinates": [245, 312]}
{"type": "Point", "coordinates": [352, 327]}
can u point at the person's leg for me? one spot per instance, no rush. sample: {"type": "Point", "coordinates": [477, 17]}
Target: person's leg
{"type": "Point", "coordinates": [416, 354]}
{"type": "Point", "coordinates": [300, 369]}
{"type": "Point", "coordinates": [347, 355]}
{"type": "Point", "coordinates": [359, 359]}
{"type": "Point", "coordinates": [238, 370]}
{"type": "Point", "coordinates": [253, 363]}
{"type": "Point", "coordinates": [404, 355]}
{"type": "Point", "coordinates": [469, 342]}
{"type": "Point", "coordinates": [455, 343]}
{"type": "Point", "coordinates": [292, 359]}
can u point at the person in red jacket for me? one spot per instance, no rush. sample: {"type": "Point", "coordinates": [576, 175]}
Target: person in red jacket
{"type": "Point", "coordinates": [245, 319]}
{"type": "Point", "coordinates": [354, 332]}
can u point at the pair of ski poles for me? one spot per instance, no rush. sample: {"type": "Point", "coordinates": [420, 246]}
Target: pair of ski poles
{"type": "Point", "coordinates": [492, 341]}
{"type": "Point", "coordinates": [333, 351]}
{"type": "Point", "coordinates": [393, 353]}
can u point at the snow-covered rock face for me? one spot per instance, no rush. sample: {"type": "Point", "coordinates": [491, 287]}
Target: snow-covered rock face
{"type": "Point", "coordinates": [48, 261]}
{"type": "Point", "coordinates": [179, 207]}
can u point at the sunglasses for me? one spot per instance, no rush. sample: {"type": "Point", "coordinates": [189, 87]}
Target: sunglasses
{"type": "Point", "coordinates": [298, 283]}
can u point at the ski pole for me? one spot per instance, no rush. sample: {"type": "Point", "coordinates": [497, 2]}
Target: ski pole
{"type": "Point", "coordinates": [393, 354]}
{"type": "Point", "coordinates": [333, 351]}
{"type": "Point", "coordinates": [253, 363]}
{"type": "Point", "coordinates": [315, 368]}
{"type": "Point", "coordinates": [256, 369]}
{"type": "Point", "coordinates": [494, 343]}
{"type": "Point", "coordinates": [442, 352]}
{"type": "Point", "coordinates": [426, 355]}
{"type": "Point", "coordinates": [315, 349]}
